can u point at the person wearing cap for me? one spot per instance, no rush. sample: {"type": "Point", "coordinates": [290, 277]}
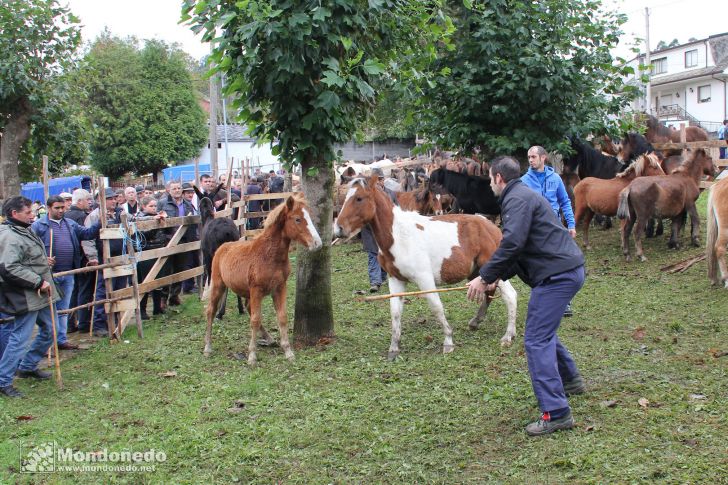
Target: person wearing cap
{"type": "Point", "coordinates": [63, 236]}
{"type": "Point", "coordinates": [67, 199]}
{"type": "Point", "coordinates": [193, 257]}
{"type": "Point", "coordinates": [175, 205]}
{"type": "Point", "coordinates": [131, 206]}
{"type": "Point", "coordinates": [94, 252]}
{"type": "Point", "coordinates": [120, 197]}
{"type": "Point", "coordinates": [83, 282]}
{"type": "Point", "coordinates": [188, 192]}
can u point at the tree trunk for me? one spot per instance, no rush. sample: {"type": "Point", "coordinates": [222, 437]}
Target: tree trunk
{"type": "Point", "coordinates": [314, 315]}
{"type": "Point", "coordinates": [14, 136]}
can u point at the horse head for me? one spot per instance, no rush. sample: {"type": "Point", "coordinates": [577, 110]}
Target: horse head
{"type": "Point", "coordinates": [293, 220]}
{"type": "Point", "coordinates": [207, 209]}
{"type": "Point", "coordinates": [706, 161]}
{"type": "Point", "coordinates": [359, 207]}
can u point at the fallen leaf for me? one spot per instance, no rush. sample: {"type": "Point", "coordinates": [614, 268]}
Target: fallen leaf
{"type": "Point", "coordinates": [239, 356]}
{"type": "Point", "coordinates": [690, 442]}
{"type": "Point", "coordinates": [239, 403]}
{"type": "Point", "coordinates": [643, 402]}
{"type": "Point", "coordinates": [25, 417]}
{"type": "Point", "coordinates": [589, 428]}
{"type": "Point", "coordinates": [639, 333]}
{"type": "Point", "coordinates": [428, 338]}
{"type": "Point", "coordinates": [169, 373]}
{"type": "Point", "coordinates": [674, 340]}
{"type": "Point", "coordinates": [697, 396]}
{"type": "Point", "coordinates": [234, 410]}
{"type": "Point", "coordinates": [609, 404]}
{"type": "Point", "coordinates": [718, 353]}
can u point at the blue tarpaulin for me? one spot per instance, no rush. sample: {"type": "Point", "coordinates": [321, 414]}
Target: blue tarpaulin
{"type": "Point", "coordinates": [184, 173]}
{"type": "Point", "coordinates": [34, 190]}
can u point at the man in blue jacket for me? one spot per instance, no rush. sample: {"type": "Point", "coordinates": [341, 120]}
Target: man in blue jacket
{"type": "Point", "coordinates": [66, 255]}
{"type": "Point", "coordinates": [537, 248]}
{"type": "Point", "coordinates": [546, 182]}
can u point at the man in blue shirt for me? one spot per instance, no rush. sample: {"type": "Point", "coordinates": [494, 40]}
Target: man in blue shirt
{"type": "Point", "coordinates": [544, 180]}
{"type": "Point", "coordinates": [723, 135]}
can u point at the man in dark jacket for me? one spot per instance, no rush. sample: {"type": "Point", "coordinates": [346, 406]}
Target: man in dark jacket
{"type": "Point", "coordinates": [175, 205]}
{"type": "Point", "coordinates": [537, 248]}
{"type": "Point", "coordinates": [63, 236]}
{"type": "Point", "coordinates": [26, 293]}
{"type": "Point", "coordinates": [83, 290]}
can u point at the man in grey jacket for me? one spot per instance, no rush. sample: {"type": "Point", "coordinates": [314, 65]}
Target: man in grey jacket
{"type": "Point", "coordinates": [26, 292]}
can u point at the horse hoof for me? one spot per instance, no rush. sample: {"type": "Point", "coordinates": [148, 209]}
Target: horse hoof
{"type": "Point", "coordinates": [643, 258]}
{"type": "Point", "coordinates": [473, 324]}
{"type": "Point", "coordinates": [392, 356]}
{"type": "Point", "coordinates": [588, 247]}
{"type": "Point", "coordinates": [290, 356]}
{"type": "Point", "coordinates": [206, 353]}
{"type": "Point", "coordinates": [252, 360]}
{"type": "Point", "coordinates": [447, 349]}
{"type": "Point", "coordinates": [628, 258]}
{"type": "Point", "coordinates": [696, 243]}
{"type": "Point", "coordinates": [506, 341]}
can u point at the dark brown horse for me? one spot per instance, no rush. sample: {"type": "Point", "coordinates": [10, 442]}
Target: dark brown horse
{"type": "Point", "coordinates": [254, 269]}
{"type": "Point", "coordinates": [422, 200]}
{"type": "Point", "coordinates": [671, 196]}
{"type": "Point", "coordinates": [659, 133]}
{"type": "Point", "coordinates": [598, 196]}
{"type": "Point", "coordinates": [632, 146]}
{"type": "Point", "coordinates": [717, 228]}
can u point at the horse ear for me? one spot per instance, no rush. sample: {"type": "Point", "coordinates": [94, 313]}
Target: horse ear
{"type": "Point", "coordinates": [290, 202]}
{"type": "Point", "coordinates": [197, 191]}
{"type": "Point", "coordinates": [373, 181]}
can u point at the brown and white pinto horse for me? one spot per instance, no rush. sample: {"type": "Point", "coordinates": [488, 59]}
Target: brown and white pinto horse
{"type": "Point", "coordinates": [424, 250]}
{"type": "Point", "coordinates": [254, 269]}
{"type": "Point", "coordinates": [717, 228]}
{"type": "Point", "coordinates": [599, 196]}
{"type": "Point", "coordinates": [670, 196]}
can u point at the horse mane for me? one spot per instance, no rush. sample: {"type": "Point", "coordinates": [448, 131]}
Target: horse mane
{"type": "Point", "coordinates": [639, 166]}
{"type": "Point", "coordinates": [272, 218]}
{"type": "Point", "coordinates": [684, 167]}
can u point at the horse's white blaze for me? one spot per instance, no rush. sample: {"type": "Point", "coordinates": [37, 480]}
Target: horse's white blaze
{"type": "Point", "coordinates": [420, 252]}
{"type": "Point", "coordinates": [312, 230]}
{"type": "Point", "coordinates": [338, 230]}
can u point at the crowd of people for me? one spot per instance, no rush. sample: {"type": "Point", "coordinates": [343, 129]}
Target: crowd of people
{"type": "Point", "coordinates": [43, 240]}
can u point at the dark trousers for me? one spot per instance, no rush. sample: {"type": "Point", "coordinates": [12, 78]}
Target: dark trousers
{"type": "Point", "coordinates": [193, 261]}
{"type": "Point", "coordinates": [178, 264]}
{"type": "Point", "coordinates": [549, 363]}
{"type": "Point", "coordinates": [85, 294]}
{"type": "Point", "coordinates": [100, 322]}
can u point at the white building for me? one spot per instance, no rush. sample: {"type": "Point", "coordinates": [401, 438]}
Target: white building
{"type": "Point", "coordinates": [240, 146]}
{"type": "Point", "coordinates": [688, 83]}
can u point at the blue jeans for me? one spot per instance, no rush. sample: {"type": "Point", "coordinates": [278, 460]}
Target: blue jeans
{"type": "Point", "coordinates": [17, 356]}
{"type": "Point", "coordinates": [549, 363]}
{"type": "Point", "coordinates": [65, 283]}
{"type": "Point", "coordinates": [5, 330]}
{"type": "Point", "coordinates": [376, 274]}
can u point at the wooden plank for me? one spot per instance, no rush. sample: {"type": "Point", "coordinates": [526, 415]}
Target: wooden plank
{"type": "Point", "coordinates": [722, 162]}
{"type": "Point", "coordinates": [158, 283]}
{"type": "Point", "coordinates": [86, 269]}
{"type": "Point", "coordinates": [690, 144]}
{"type": "Point", "coordinates": [224, 213]}
{"type": "Point", "coordinates": [251, 233]}
{"type": "Point", "coordinates": [119, 271]}
{"type": "Point", "coordinates": [111, 233]}
{"type": "Point", "coordinates": [162, 252]}
{"type": "Point", "coordinates": [149, 224]}
{"type": "Point", "coordinates": [281, 195]}
{"type": "Point", "coordinates": [704, 184]}
{"type": "Point", "coordinates": [126, 304]}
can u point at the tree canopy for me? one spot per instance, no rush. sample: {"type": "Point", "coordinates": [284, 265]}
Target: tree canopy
{"type": "Point", "coordinates": [142, 106]}
{"type": "Point", "coordinates": [525, 73]}
{"type": "Point", "coordinates": [38, 41]}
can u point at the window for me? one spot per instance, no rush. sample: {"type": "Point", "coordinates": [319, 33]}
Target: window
{"type": "Point", "coordinates": [704, 94]}
{"type": "Point", "coordinates": [659, 66]}
{"type": "Point", "coordinates": [691, 58]}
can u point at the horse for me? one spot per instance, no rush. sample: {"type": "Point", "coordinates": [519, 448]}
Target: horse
{"type": "Point", "coordinates": [598, 196]}
{"type": "Point", "coordinates": [425, 250]}
{"type": "Point", "coordinates": [632, 146]}
{"type": "Point", "coordinates": [717, 229]}
{"type": "Point", "coordinates": [670, 196]}
{"type": "Point", "coordinates": [259, 267]}
{"type": "Point", "coordinates": [587, 161]}
{"type": "Point", "coordinates": [213, 234]}
{"type": "Point", "coordinates": [659, 133]}
{"type": "Point", "coordinates": [473, 194]}
{"type": "Point", "coordinates": [607, 145]}
{"type": "Point", "coordinates": [423, 201]}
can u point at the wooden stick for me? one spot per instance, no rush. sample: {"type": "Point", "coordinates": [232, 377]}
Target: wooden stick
{"type": "Point", "coordinates": [93, 307]}
{"type": "Point", "coordinates": [50, 255]}
{"type": "Point", "coordinates": [59, 377]}
{"type": "Point", "coordinates": [87, 305]}
{"type": "Point", "coordinates": [88, 269]}
{"type": "Point", "coordinates": [412, 293]}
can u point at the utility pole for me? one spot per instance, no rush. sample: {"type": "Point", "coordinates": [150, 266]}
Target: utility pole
{"type": "Point", "coordinates": [648, 90]}
{"type": "Point", "coordinates": [213, 126]}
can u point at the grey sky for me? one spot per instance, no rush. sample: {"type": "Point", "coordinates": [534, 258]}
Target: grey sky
{"type": "Point", "coordinates": [145, 19]}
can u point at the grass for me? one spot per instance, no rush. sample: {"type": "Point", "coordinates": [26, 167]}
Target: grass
{"type": "Point", "coordinates": [341, 413]}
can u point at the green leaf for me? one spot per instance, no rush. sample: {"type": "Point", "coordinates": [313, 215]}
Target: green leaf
{"type": "Point", "coordinates": [332, 79]}
{"type": "Point", "coordinates": [327, 100]}
{"type": "Point", "coordinates": [321, 13]}
{"type": "Point", "coordinates": [373, 67]}
{"type": "Point", "coordinates": [312, 172]}
{"type": "Point", "coordinates": [347, 43]}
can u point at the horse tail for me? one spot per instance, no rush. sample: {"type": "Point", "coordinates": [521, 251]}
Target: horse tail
{"type": "Point", "coordinates": [623, 209]}
{"type": "Point", "coordinates": [712, 238]}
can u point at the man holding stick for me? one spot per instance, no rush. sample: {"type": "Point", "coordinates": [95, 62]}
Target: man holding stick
{"type": "Point", "coordinates": [537, 248]}
{"type": "Point", "coordinates": [26, 292]}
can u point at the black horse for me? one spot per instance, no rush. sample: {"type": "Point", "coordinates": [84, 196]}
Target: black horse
{"type": "Point", "coordinates": [633, 145]}
{"type": "Point", "coordinates": [215, 233]}
{"type": "Point", "coordinates": [587, 161]}
{"type": "Point", "coordinates": [472, 194]}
